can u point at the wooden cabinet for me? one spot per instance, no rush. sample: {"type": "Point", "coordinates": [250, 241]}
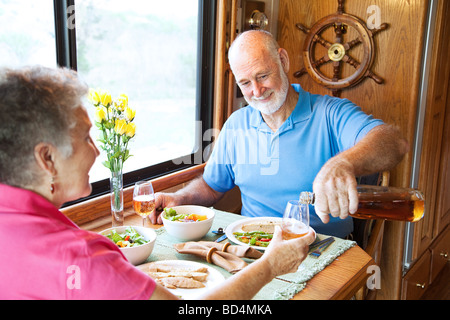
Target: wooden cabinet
{"type": "Point", "coordinates": [431, 235]}
{"type": "Point", "coordinates": [427, 267]}
{"type": "Point", "coordinates": [417, 280]}
{"type": "Point", "coordinates": [440, 253]}
{"type": "Point", "coordinates": [434, 175]}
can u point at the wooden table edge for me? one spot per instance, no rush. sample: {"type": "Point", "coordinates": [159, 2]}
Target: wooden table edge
{"type": "Point", "coordinates": [323, 287]}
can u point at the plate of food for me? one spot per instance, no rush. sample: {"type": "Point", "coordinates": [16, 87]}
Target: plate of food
{"type": "Point", "coordinates": [253, 232]}
{"type": "Point", "coordinates": [186, 279]}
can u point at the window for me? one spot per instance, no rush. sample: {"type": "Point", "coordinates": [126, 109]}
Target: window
{"type": "Point", "coordinates": [27, 33]}
{"type": "Point", "coordinates": [153, 51]}
{"type": "Point", "coordinates": [159, 53]}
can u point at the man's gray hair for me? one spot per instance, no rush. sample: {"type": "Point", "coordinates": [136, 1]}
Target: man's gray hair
{"type": "Point", "coordinates": [36, 105]}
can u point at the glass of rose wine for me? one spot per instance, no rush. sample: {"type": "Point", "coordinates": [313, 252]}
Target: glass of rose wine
{"type": "Point", "coordinates": [295, 223]}
{"type": "Point", "coordinates": [143, 199]}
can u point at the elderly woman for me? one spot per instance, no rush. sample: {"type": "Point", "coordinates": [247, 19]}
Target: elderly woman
{"type": "Point", "coordinates": [46, 153]}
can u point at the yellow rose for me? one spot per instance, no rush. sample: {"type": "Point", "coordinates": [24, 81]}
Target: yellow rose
{"type": "Point", "coordinates": [120, 127]}
{"type": "Point", "coordinates": [131, 130]}
{"type": "Point", "coordinates": [130, 113]}
{"type": "Point", "coordinates": [121, 102]}
{"type": "Point", "coordinates": [93, 97]}
{"type": "Point", "coordinates": [105, 98]}
{"type": "Point", "coordinates": [100, 114]}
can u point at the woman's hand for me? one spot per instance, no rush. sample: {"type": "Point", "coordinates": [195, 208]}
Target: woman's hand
{"type": "Point", "coordinates": [285, 256]}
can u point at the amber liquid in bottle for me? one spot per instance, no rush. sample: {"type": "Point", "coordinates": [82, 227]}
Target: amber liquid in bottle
{"type": "Point", "coordinates": [401, 210]}
{"type": "Point", "coordinates": [376, 202]}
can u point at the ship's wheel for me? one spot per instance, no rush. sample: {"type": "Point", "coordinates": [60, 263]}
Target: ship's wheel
{"type": "Point", "coordinates": [338, 52]}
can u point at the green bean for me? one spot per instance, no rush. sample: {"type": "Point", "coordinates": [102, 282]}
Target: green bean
{"type": "Point", "coordinates": [262, 243]}
{"type": "Point", "coordinates": [255, 232]}
{"type": "Point", "coordinates": [253, 238]}
{"type": "Point", "coordinates": [243, 239]}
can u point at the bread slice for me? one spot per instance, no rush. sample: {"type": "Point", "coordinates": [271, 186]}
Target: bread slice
{"type": "Point", "coordinates": [199, 276]}
{"type": "Point", "coordinates": [180, 282]}
{"type": "Point", "coordinates": [160, 267]}
{"type": "Point", "coordinates": [266, 226]}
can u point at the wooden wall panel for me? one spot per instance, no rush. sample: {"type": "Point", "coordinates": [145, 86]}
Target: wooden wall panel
{"type": "Point", "coordinates": [433, 174]}
{"type": "Point", "coordinates": [397, 61]}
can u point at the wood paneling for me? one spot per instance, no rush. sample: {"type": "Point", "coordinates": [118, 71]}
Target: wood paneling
{"type": "Point", "coordinates": [398, 60]}
{"type": "Point", "coordinates": [221, 72]}
{"type": "Point", "coordinates": [443, 203]}
{"type": "Point", "coordinates": [224, 81]}
{"type": "Point", "coordinates": [442, 99]}
{"type": "Point", "coordinates": [435, 151]}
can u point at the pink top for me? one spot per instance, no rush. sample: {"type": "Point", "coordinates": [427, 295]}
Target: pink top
{"type": "Point", "coordinates": [44, 255]}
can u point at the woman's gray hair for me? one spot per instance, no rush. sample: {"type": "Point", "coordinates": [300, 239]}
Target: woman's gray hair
{"type": "Point", "coordinates": [36, 105]}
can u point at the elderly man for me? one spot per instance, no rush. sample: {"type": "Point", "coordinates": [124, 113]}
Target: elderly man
{"type": "Point", "coordinates": [287, 141]}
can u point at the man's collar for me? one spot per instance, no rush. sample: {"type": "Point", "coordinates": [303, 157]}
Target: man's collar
{"type": "Point", "coordinates": [301, 112]}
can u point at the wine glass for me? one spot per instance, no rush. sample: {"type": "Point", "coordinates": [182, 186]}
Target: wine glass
{"type": "Point", "coordinates": [143, 199]}
{"type": "Point", "coordinates": [295, 222]}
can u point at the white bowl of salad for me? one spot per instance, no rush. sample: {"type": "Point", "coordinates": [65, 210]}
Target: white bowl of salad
{"type": "Point", "coordinates": [187, 222]}
{"type": "Point", "coordinates": [136, 243]}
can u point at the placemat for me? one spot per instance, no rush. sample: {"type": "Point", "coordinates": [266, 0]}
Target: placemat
{"type": "Point", "coordinates": [311, 266]}
{"type": "Point", "coordinates": [281, 288]}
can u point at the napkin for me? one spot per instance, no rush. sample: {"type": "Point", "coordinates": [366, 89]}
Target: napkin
{"type": "Point", "coordinates": [226, 256]}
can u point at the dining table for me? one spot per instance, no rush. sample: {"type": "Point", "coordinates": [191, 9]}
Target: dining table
{"type": "Point", "coordinates": [337, 274]}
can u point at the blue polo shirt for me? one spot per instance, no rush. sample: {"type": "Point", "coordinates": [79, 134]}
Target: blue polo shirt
{"type": "Point", "coordinates": [272, 168]}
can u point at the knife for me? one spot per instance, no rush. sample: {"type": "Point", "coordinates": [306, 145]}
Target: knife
{"type": "Point", "coordinates": [319, 243]}
{"type": "Point", "coordinates": [221, 238]}
{"type": "Point", "coordinates": [322, 247]}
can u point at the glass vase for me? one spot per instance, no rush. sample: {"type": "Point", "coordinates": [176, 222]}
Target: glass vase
{"type": "Point", "coordinates": [116, 181]}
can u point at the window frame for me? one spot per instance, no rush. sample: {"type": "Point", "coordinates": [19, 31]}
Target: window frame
{"type": "Point", "coordinates": [65, 37]}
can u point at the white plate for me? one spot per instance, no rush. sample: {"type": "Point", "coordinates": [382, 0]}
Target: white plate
{"type": "Point", "coordinates": [237, 227]}
{"type": "Point", "coordinates": [214, 277]}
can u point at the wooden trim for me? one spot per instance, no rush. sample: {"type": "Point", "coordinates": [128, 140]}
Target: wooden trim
{"type": "Point", "coordinates": [229, 74]}
{"type": "Point", "coordinates": [99, 207]}
{"type": "Point", "coordinates": [220, 65]}
{"type": "Point", "coordinates": [224, 79]}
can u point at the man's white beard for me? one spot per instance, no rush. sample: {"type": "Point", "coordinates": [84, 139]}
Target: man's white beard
{"type": "Point", "coordinates": [278, 99]}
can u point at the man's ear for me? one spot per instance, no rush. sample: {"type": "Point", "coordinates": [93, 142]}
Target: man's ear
{"type": "Point", "coordinates": [284, 57]}
{"type": "Point", "coordinates": [45, 153]}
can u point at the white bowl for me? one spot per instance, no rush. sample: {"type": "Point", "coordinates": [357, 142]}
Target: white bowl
{"type": "Point", "coordinates": [188, 231]}
{"type": "Point", "coordinates": [136, 255]}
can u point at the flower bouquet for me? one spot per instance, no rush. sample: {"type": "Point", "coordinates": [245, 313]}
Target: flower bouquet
{"type": "Point", "coordinates": [114, 118]}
